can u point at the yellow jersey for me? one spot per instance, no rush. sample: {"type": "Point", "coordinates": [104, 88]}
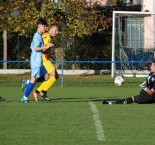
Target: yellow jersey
{"type": "Point", "coordinates": [46, 56]}
{"type": "Point", "coordinates": [46, 38]}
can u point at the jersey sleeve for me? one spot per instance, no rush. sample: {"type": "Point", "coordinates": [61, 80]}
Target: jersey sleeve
{"type": "Point", "coordinates": [153, 88]}
{"type": "Point", "coordinates": [46, 38]}
{"type": "Point", "coordinates": [37, 42]}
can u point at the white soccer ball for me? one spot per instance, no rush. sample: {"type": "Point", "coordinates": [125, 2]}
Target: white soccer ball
{"type": "Point", "coordinates": [119, 81]}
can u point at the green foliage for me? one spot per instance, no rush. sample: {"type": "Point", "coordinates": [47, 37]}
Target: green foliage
{"type": "Point", "coordinates": [76, 18]}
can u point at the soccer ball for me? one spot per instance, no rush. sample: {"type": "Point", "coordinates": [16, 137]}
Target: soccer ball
{"type": "Point", "coordinates": [119, 81]}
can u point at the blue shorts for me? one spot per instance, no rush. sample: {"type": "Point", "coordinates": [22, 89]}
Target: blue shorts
{"type": "Point", "coordinates": [38, 72]}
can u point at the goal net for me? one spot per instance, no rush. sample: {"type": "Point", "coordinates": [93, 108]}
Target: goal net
{"type": "Point", "coordinates": [133, 43]}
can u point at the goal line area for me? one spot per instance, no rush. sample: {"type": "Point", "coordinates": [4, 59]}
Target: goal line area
{"type": "Point", "coordinates": [133, 42]}
{"type": "Point", "coordinates": [83, 68]}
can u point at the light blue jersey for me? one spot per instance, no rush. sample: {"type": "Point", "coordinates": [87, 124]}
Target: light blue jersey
{"type": "Point", "coordinates": [36, 56]}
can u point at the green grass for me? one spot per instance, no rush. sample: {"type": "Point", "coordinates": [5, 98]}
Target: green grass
{"type": "Point", "coordinates": [68, 120]}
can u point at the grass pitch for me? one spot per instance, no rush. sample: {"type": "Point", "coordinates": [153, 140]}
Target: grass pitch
{"type": "Point", "coordinates": [68, 119]}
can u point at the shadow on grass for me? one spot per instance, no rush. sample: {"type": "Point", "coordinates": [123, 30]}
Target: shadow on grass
{"type": "Point", "coordinates": [59, 100]}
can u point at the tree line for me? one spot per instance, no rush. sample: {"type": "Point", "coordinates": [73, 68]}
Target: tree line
{"type": "Point", "coordinates": [80, 23]}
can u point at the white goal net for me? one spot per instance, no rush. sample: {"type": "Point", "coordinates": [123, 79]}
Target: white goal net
{"type": "Point", "coordinates": [133, 43]}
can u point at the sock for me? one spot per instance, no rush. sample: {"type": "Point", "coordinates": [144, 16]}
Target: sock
{"type": "Point", "coordinates": [28, 81]}
{"type": "Point", "coordinates": [25, 98]}
{"type": "Point", "coordinates": [46, 84]}
{"type": "Point", "coordinates": [37, 91]}
{"type": "Point", "coordinates": [29, 89]}
{"type": "Point", "coordinates": [125, 101]}
{"type": "Point", "coordinates": [44, 94]}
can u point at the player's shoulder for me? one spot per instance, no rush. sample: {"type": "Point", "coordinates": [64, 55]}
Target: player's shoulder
{"type": "Point", "coordinates": [46, 35]}
{"type": "Point", "coordinates": [151, 73]}
{"type": "Point", "coordinates": [37, 35]}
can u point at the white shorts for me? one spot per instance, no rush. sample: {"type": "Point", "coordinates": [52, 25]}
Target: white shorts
{"type": "Point", "coordinates": [38, 72]}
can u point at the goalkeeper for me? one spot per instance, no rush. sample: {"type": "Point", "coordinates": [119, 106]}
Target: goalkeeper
{"type": "Point", "coordinates": [147, 94]}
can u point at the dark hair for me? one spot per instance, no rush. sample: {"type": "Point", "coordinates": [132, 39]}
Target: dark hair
{"type": "Point", "coordinates": [153, 61]}
{"type": "Point", "coordinates": [41, 21]}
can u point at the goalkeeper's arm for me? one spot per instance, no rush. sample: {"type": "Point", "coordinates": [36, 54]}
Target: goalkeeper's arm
{"type": "Point", "coordinates": [143, 85]}
{"type": "Point", "coordinates": [150, 92]}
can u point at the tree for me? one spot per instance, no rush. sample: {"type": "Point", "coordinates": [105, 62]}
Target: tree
{"type": "Point", "coordinates": [75, 17]}
{"type": "Point", "coordinates": [77, 20]}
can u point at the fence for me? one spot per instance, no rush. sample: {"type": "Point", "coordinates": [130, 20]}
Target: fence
{"type": "Point", "coordinates": [60, 65]}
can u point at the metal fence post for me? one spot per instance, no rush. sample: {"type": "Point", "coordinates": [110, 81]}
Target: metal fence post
{"type": "Point", "coordinates": [62, 73]}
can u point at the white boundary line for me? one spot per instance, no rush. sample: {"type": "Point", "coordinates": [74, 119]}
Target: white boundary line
{"type": "Point", "coordinates": [97, 122]}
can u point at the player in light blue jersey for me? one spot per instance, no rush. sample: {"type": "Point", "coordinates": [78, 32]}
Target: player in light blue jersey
{"type": "Point", "coordinates": [37, 47]}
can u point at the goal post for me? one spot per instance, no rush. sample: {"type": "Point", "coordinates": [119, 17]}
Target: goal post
{"type": "Point", "coordinates": [133, 42]}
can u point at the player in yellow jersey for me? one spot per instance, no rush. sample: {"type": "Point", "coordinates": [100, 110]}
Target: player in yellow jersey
{"type": "Point", "coordinates": [53, 75]}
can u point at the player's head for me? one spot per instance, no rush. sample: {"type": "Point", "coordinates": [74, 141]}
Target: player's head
{"type": "Point", "coordinates": [53, 30]}
{"type": "Point", "coordinates": [42, 24]}
{"type": "Point", "coordinates": [153, 66]}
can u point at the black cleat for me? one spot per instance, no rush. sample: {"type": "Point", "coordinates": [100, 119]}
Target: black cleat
{"type": "Point", "coordinates": [2, 99]}
{"type": "Point", "coordinates": [45, 97]}
{"type": "Point", "coordinates": [105, 102]}
{"type": "Point", "coordinates": [108, 102]}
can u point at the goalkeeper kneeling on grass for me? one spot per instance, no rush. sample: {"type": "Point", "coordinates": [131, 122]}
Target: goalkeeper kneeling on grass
{"type": "Point", "coordinates": [147, 94]}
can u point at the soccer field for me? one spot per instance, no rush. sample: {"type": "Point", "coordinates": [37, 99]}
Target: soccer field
{"type": "Point", "coordinates": [75, 116]}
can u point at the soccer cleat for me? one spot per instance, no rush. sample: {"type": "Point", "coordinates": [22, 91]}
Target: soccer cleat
{"type": "Point", "coordinates": [105, 102]}
{"type": "Point", "coordinates": [45, 97]}
{"type": "Point", "coordinates": [35, 96]}
{"type": "Point", "coordinates": [24, 84]}
{"type": "Point", "coordinates": [2, 99]}
{"type": "Point", "coordinates": [108, 102]}
{"type": "Point", "coordinates": [24, 101]}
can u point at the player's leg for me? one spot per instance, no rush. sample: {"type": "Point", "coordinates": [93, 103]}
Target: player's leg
{"type": "Point", "coordinates": [25, 81]}
{"type": "Point", "coordinates": [121, 101]}
{"type": "Point", "coordinates": [43, 88]}
{"type": "Point", "coordinates": [29, 89]}
{"type": "Point", "coordinates": [50, 81]}
{"type": "Point", "coordinates": [142, 98]}
{"type": "Point", "coordinates": [48, 84]}
{"type": "Point", "coordinates": [24, 84]}
{"type": "Point", "coordinates": [53, 75]}
{"type": "Point", "coordinates": [35, 73]}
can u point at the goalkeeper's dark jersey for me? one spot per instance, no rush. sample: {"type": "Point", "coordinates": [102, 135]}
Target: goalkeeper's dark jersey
{"type": "Point", "coordinates": [150, 81]}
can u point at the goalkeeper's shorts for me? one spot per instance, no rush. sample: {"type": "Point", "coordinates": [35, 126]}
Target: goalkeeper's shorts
{"type": "Point", "coordinates": [144, 98]}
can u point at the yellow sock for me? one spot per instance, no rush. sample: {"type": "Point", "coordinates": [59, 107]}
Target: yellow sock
{"type": "Point", "coordinates": [49, 83]}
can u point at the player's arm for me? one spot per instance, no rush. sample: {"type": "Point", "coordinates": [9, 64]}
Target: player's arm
{"type": "Point", "coordinates": [38, 42]}
{"type": "Point", "coordinates": [45, 47]}
{"type": "Point", "coordinates": [150, 92]}
{"type": "Point", "coordinates": [47, 39]}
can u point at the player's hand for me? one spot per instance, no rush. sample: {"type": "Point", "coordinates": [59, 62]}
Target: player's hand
{"type": "Point", "coordinates": [50, 45]}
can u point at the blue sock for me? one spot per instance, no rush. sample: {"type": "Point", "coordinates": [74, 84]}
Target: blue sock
{"type": "Point", "coordinates": [29, 89]}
